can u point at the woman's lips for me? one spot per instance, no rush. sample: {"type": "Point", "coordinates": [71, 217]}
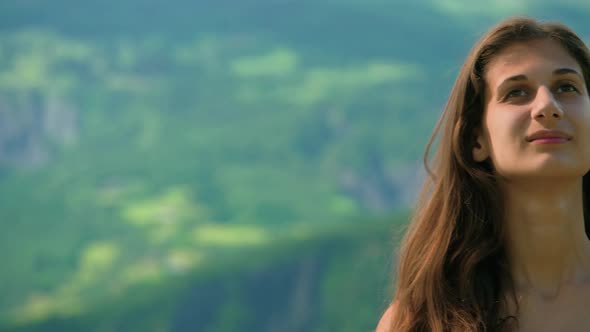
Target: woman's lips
{"type": "Point", "coordinates": [550, 140]}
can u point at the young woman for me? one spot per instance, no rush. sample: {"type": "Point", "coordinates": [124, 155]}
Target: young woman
{"type": "Point", "coordinates": [499, 239]}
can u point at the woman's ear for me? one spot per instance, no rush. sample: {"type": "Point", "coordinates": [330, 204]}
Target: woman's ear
{"type": "Point", "coordinates": [480, 147]}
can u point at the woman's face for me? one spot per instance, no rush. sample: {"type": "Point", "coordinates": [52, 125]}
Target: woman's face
{"type": "Point", "coordinates": [537, 113]}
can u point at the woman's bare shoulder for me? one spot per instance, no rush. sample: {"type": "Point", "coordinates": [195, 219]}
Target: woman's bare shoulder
{"type": "Point", "coordinates": [385, 321]}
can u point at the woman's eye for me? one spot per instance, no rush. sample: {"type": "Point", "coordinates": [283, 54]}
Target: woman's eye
{"type": "Point", "coordinates": [567, 88]}
{"type": "Point", "coordinates": [516, 93]}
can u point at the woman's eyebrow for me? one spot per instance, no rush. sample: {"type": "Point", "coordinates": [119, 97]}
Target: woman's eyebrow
{"type": "Point", "coordinates": [565, 71]}
{"type": "Point", "coordinates": [515, 78]}
{"type": "Point", "coordinates": [556, 72]}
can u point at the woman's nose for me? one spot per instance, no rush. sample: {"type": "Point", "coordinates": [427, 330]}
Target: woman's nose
{"type": "Point", "coordinates": [546, 106]}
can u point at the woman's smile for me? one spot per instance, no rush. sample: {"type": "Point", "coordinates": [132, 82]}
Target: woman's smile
{"type": "Point", "coordinates": [550, 140]}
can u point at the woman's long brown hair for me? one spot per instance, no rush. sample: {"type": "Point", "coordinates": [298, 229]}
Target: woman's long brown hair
{"type": "Point", "coordinates": [453, 272]}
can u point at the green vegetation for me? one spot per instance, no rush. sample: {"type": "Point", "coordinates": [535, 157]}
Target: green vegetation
{"type": "Point", "coordinates": [151, 151]}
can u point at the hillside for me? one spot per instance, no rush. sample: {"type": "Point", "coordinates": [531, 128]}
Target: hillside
{"type": "Point", "coordinates": [147, 142]}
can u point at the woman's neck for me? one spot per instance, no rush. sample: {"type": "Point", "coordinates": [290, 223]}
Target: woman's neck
{"type": "Point", "coordinates": [546, 239]}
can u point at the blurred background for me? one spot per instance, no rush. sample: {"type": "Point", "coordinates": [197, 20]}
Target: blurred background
{"type": "Point", "coordinates": [219, 166]}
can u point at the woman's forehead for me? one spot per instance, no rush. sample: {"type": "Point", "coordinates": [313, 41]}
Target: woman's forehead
{"type": "Point", "coordinates": [536, 57]}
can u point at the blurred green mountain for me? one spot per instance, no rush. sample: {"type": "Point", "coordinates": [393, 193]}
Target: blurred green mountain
{"type": "Point", "coordinates": [151, 147]}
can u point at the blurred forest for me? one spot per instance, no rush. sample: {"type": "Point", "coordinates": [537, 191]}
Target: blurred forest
{"type": "Point", "coordinates": [219, 165]}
